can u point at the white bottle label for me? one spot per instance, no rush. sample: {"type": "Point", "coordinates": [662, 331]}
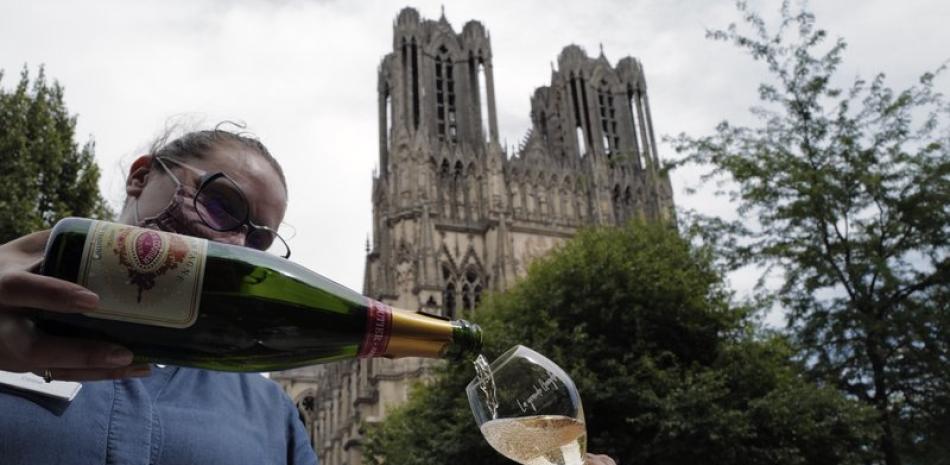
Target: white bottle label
{"type": "Point", "coordinates": [143, 276]}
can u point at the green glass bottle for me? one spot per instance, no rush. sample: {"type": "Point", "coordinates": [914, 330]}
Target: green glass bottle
{"type": "Point", "coordinates": [181, 300]}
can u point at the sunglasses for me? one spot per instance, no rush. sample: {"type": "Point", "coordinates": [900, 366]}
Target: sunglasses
{"type": "Point", "coordinates": [222, 206]}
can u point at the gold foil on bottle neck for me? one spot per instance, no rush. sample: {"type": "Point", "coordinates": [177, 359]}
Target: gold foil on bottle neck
{"type": "Point", "coordinates": [415, 335]}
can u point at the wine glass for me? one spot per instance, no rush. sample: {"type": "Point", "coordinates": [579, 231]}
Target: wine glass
{"type": "Point", "coordinates": [528, 409]}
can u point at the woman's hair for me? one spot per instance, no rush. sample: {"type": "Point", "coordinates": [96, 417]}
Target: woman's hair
{"type": "Point", "coordinates": [197, 144]}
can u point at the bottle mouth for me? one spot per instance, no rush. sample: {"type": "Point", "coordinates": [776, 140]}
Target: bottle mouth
{"type": "Point", "coordinates": [466, 341]}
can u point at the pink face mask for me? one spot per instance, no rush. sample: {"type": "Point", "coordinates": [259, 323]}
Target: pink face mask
{"type": "Point", "coordinates": [180, 216]}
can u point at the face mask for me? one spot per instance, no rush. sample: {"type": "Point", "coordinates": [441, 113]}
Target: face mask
{"type": "Point", "coordinates": [180, 216]}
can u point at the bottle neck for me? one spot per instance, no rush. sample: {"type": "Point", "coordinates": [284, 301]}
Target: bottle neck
{"type": "Point", "coordinates": [395, 333]}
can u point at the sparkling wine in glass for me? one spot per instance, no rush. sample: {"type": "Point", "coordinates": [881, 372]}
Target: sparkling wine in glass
{"type": "Point", "coordinates": [528, 409]}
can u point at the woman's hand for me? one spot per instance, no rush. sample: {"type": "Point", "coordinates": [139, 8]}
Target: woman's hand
{"type": "Point", "coordinates": [598, 459]}
{"type": "Point", "coordinates": [25, 348]}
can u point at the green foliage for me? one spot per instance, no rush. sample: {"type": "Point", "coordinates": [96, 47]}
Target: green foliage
{"type": "Point", "coordinates": [44, 174]}
{"type": "Point", "coordinates": [847, 192]}
{"type": "Point", "coordinates": [669, 372]}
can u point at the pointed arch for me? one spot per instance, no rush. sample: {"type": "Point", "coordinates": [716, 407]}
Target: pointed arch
{"type": "Point", "coordinates": [414, 72]}
{"type": "Point", "coordinates": [449, 274]}
{"type": "Point", "coordinates": [610, 134]}
{"type": "Point", "coordinates": [307, 410]}
{"type": "Point", "coordinates": [472, 278]}
{"type": "Point", "coordinates": [445, 105]}
{"type": "Point", "coordinates": [641, 143]}
{"type": "Point", "coordinates": [442, 39]}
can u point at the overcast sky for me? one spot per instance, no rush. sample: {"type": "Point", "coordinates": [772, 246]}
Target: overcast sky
{"type": "Point", "coordinates": [302, 75]}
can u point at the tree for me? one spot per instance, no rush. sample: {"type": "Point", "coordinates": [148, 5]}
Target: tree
{"type": "Point", "coordinates": [45, 176]}
{"type": "Point", "coordinates": [847, 194]}
{"type": "Point", "coordinates": [668, 371]}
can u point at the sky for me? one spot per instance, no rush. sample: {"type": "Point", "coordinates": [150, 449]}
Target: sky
{"type": "Point", "coordinates": [302, 75]}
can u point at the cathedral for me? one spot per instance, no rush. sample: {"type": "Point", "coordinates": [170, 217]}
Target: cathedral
{"type": "Point", "coordinates": [456, 215]}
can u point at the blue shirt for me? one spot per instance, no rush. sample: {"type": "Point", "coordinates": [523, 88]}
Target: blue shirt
{"type": "Point", "coordinates": [175, 416]}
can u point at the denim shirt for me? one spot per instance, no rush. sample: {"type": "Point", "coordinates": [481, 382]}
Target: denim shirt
{"type": "Point", "coordinates": [175, 416]}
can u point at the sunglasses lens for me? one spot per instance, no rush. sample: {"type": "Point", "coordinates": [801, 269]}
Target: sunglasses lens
{"type": "Point", "coordinates": [221, 204]}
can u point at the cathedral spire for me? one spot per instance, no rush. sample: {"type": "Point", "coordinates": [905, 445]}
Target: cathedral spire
{"type": "Point", "coordinates": [442, 18]}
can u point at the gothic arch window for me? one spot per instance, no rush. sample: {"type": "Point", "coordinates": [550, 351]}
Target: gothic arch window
{"type": "Point", "coordinates": [471, 288]}
{"type": "Point", "coordinates": [466, 297]}
{"type": "Point", "coordinates": [583, 86]}
{"type": "Point", "coordinates": [449, 293]}
{"type": "Point", "coordinates": [457, 189]}
{"type": "Point", "coordinates": [559, 129]}
{"type": "Point", "coordinates": [639, 129]}
{"type": "Point", "coordinates": [440, 97]}
{"type": "Point", "coordinates": [473, 85]}
{"type": "Point", "coordinates": [387, 125]}
{"type": "Point", "coordinates": [483, 99]}
{"type": "Point", "coordinates": [608, 119]}
{"type": "Point", "coordinates": [405, 76]}
{"type": "Point", "coordinates": [307, 412]}
{"type": "Point", "coordinates": [446, 121]}
{"type": "Point", "coordinates": [414, 58]}
{"type": "Point", "coordinates": [578, 119]}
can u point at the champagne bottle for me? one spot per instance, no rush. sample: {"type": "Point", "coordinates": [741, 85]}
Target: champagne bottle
{"type": "Point", "coordinates": [187, 301]}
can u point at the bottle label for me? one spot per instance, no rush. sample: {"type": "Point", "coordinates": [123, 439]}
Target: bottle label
{"type": "Point", "coordinates": [379, 326]}
{"type": "Point", "coordinates": [143, 276]}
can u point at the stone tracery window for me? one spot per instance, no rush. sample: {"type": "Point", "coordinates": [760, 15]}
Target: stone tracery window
{"type": "Point", "coordinates": [448, 294]}
{"type": "Point", "coordinates": [445, 111]}
{"type": "Point", "coordinates": [471, 289]}
{"type": "Point", "coordinates": [641, 148]}
{"type": "Point", "coordinates": [608, 120]}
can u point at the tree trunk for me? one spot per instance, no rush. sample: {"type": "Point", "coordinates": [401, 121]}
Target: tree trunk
{"type": "Point", "coordinates": [880, 399]}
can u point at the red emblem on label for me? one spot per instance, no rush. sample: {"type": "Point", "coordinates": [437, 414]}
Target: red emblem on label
{"type": "Point", "coordinates": [147, 254]}
{"type": "Point", "coordinates": [379, 325]}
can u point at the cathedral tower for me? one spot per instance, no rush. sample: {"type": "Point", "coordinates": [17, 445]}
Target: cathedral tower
{"type": "Point", "coordinates": [455, 215]}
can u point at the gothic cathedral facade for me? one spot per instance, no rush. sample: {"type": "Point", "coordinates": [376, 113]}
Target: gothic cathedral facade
{"type": "Point", "coordinates": [455, 215]}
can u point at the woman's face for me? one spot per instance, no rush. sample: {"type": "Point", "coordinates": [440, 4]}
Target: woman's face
{"type": "Point", "coordinates": [152, 188]}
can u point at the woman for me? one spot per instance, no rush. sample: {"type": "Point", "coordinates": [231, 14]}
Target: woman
{"type": "Point", "coordinates": [135, 413]}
